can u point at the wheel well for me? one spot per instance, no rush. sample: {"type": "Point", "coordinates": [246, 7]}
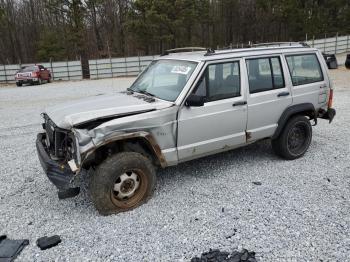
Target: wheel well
{"type": "Point", "coordinates": [309, 113]}
{"type": "Point", "coordinates": [301, 109]}
{"type": "Point", "coordinates": [138, 144]}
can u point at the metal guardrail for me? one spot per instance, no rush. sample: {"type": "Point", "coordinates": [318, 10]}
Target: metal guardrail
{"type": "Point", "coordinates": [72, 70]}
{"type": "Point", "coordinates": [132, 66]}
{"type": "Point", "coordinates": [115, 67]}
{"type": "Point", "coordinates": [332, 45]}
{"type": "Point", "coordinates": [67, 70]}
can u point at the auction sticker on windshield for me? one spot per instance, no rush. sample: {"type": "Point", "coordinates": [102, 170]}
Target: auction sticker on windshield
{"type": "Point", "coordinates": [184, 70]}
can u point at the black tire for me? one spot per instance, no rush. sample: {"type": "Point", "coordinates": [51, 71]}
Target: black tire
{"type": "Point", "coordinates": [18, 84]}
{"type": "Point", "coordinates": [295, 138]}
{"type": "Point", "coordinates": [39, 81]}
{"type": "Point", "coordinates": [109, 174]}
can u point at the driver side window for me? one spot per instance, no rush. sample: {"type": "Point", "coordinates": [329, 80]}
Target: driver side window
{"type": "Point", "coordinates": [201, 89]}
{"type": "Point", "coordinates": [220, 81]}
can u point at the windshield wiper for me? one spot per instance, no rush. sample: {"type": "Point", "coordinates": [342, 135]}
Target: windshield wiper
{"type": "Point", "coordinates": [144, 92]}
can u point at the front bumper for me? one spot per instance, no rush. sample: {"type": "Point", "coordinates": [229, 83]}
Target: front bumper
{"type": "Point", "coordinates": [27, 80]}
{"type": "Point", "coordinates": [59, 174]}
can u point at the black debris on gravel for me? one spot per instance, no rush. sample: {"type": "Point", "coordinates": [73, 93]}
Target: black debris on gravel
{"type": "Point", "coordinates": [216, 255]}
{"type": "Point", "coordinates": [48, 242]}
{"type": "Point", "coordinates": [257, 183]}
{"type": "Point", "coordinates": [347, 61]}
{"type": "Point", "coordinates": [10, 249]}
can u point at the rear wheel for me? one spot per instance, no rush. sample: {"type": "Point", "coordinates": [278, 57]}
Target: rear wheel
{"type": "Point", "coordinates": [18, 84]}
{"type": "Point", "coordinates": [40, 81]}
{"type": "Point", "coordinates": [122, 182]}
{"type": "Point", "coordinates": [295, 138]}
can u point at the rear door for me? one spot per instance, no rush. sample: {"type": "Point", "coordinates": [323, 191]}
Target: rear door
{"type": "Point", "coordinates": [269, 95]}
{"type": "Point", "coordinates": [309, 79]}
{"type": "Point", "coordinates": [220, 123]}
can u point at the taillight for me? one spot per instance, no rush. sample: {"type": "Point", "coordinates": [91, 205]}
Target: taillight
{"type": "Point", "coordinates": [330, 99]}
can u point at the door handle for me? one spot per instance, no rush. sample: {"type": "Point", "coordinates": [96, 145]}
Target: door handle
{"type": "Point", "coordinates": [240, 103]}
{"type": "Point", "coordinates": [283, 94]}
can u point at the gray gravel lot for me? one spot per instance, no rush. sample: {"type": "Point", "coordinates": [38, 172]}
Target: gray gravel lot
{"type": "Point", "coordinates": [301, 212]}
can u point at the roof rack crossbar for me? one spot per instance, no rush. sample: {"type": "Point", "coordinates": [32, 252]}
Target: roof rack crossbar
{"type": "Point", "coordinates": [183, 50]}
{"type": "Point", "coordinates": [281, 44]}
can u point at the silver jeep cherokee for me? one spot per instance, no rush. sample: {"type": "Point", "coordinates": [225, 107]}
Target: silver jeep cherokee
{"type": "Point", "coordinates": [183, 106]}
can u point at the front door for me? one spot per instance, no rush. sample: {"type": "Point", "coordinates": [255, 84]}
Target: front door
{"type": "Point", "coordinates": [220, 123]}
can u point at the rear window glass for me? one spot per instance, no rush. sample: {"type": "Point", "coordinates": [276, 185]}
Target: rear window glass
{"type": "Point", "coordinates": [29, 69]}
{"type": "Point", "coordinates": [304, 69]}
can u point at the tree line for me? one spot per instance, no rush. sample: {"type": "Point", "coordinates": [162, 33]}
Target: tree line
{"type": "Point", "coordinates": [40, 30]}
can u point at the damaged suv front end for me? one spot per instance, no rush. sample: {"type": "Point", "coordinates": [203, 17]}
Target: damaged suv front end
{"type": "Point", "coordinates": [81, 135]}
{"type": "Point", "coordinates": [57, 152]}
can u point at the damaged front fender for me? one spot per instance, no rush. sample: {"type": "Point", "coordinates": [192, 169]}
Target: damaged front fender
{"type": "Point", "coordinates": [124, 136]}
{"type": "Point", "coordinates": [156, 128]}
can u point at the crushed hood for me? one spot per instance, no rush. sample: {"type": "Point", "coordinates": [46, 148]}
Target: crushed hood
{"type": "Point", "coordinates": [82, 111]}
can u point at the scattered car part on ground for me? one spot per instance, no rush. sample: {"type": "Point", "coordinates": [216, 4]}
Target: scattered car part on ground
{"type": "Point", "coordinates": [347, 61]}
{"type": "Point", "coordinates": [34, 74]}
{"type": "Point", "coordinates": [331, 60]}
{"type": "Point", "coordinates": [48, 242]}
{"type": "Point", "coordinates": [68, 193]}
{"type": "Point", "coordinates": [10, 249]}
{"type": "Point", "coordinates": [216, 255]}
{"type": "Point", "coordinates": [182, 107]}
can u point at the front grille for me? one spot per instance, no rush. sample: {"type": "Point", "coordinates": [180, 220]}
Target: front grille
{"type": "Point", "coordinates": [50, 130]}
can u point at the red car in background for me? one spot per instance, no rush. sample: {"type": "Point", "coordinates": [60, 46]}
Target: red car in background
{"type": "Point", "coordinates": [34, 74]}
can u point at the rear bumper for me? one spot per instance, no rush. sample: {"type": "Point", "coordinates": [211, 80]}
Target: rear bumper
{"type": "Point", "coordinates": [328, 115]}
{"type": "Point", "coordinates": [59, 174]}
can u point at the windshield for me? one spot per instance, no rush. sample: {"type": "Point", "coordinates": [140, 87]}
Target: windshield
{"type": "Point", "coordinates": [164, 79]}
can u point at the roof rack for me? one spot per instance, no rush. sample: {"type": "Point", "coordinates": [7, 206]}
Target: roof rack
{"type": "Point", "coordinates": [183, 49]}
{"type": "Point", "coordinates": [211, 52]}
{"type": "Point", "coordinates": [303, 44]}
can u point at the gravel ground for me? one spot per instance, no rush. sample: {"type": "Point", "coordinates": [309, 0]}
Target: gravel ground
{"type": "Point", "coordinates": [300, 212]}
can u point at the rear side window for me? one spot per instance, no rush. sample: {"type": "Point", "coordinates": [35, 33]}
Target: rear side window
{"type": "Point", "coordinates": [304, 69]}
{"type": "Point", "coordinates": [265, 74]}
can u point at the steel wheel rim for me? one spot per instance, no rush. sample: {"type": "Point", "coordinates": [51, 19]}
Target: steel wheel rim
{"type": "Point", "coordinates": [129, 188]}
{"type": "Point", "coordinates": [297, 138]}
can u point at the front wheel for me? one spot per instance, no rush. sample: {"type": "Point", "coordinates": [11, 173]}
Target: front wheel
{"type": "Point", "coordinates": [295, 138]}
{"type": "Point", "coordinates": [18, 84]}
{"type": "Point", "coordinates": [122, 182]}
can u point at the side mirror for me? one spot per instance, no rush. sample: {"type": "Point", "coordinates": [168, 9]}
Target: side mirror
{"type": "Point", "coordinates": [194, 100]}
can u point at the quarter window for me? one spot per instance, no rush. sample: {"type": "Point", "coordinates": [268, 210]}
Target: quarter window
{"type": "Point", "coordinates": [304, 69]}
{"type": "Point", "coordinates": [265, 74]}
